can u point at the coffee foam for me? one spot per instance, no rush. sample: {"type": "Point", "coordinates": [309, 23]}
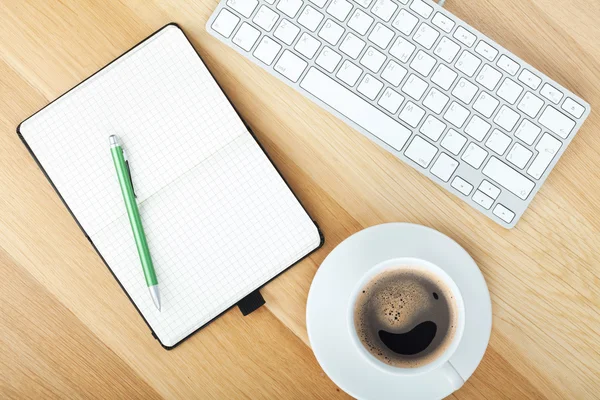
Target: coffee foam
{"type": "Point", "coordinates": [396, 301]}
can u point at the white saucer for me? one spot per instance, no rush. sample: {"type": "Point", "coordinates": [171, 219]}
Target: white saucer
{"type": "Point", "coordinates": [328, 302]}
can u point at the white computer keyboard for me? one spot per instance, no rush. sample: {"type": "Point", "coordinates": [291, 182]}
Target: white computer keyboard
{"type": "Point", "coordinates": [420, 82]}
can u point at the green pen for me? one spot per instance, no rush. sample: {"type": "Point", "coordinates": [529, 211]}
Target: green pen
{"type": "Point", "coordinates": [134, 218]}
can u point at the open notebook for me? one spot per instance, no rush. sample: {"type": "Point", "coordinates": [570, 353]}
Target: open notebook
{"type": "Point", "coordinates": [219, 219]}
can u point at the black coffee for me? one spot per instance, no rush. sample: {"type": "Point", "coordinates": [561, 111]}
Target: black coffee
{"type": "Point", "coordinates": [405, 317]}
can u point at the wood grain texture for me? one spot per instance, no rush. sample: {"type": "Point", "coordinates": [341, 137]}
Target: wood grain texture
{"type": "Point", "coordinates": [67, 330]}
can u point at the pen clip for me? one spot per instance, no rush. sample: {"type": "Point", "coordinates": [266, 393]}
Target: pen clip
{"type": "Point", "coordinates": [129, 172]}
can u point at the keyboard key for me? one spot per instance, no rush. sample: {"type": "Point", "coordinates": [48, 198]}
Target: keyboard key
{"type": "Point", "coordinates": [528, 78]}
{"type": "Point", "coordinates": [485, 50]}
{"type": "Point", "coordinates": [506, 118]}
{"type": "Point", "coordinates": [453, 142]}
{"type": "Point", "coordinates": [364, 3]}
{"type": "Point", "coordinates": [444, 167]}
{"type": "Point", "coordinates": [349, 73]}
{"type": "Point", "coordinates": [393, 73]}
{"type": "Point", "coordinates": [573, 108]}
{"type": "Point", "coordinates": [474, 155]}
{"type": "Point", "coordinates": [435, 100]}
{"type": "Point", "coordinates": [504, 213]}
{"type": "Point", "coordinates": [424, 10]}
{"type": "Point", "coordinates": [244, 7]}
{"type": "Point", "coordinates": [461, 185]}
{"type": "Point", "coordinates": [290, 65]}
{"type": "Point", "coordinates": [547, 149]}
{"type": "Point", "coordinates": [551, 93]}
{"type": "Point", "coordinates": [310, 18]}
{"type": "Point", "coordinates": [267, 50]}
{"type": "Point", "coordinates": [328, 59]}
{"type": "Point", "coordinates": [265, 18]}
{"type": "Point", "coordinates": [369, 86]}
{"type": "Point", "coordinates": [528, 132]}
{"type": "Point", "coordinates": [557, 122]}
{"type": "Point", "coordinates": [414, 87]}
{"type": "Point", "coordinates": [381, 36]}
{"type": "Point", "coordinates": [352, 46]}
{"type": "Point", "coordinates": [468, 63]}
{"type": "Point", "coordinates": [307, 45]}
{"type": "Point", "coordinates": [477, 128]}
{"type": "Point", "coordinates": [443, 22]}
{"type": "Point", "coordinates": [483, 199]}
{"type": "Point", "coordinates": [331, 32]}
{"type": "Point", "coordinates": [421, 151]}
{"type": "Point", "coordinates": [447, 50]}
{"type": "Point", "coordinates": [456, 114]}
{"type": "Point", "coordinates": [288, 7]}
{"type": "Point", "coordinates": [360, 21]}
{"type": "Point", "coordinates": [384, 9]}
{"type": "Point", "coordinates": [412, 114]}
{"type": "Point", "coordinates": [246, 36]}
{"type": "Point", "coordinates": [405, 22]}
{"type": "Point", "coordinates": [286, 32]}
{"type": "Point", "coordinates": [356, 109]}
{"type": "Point", "coordinates": [498, 142]}
{"type": "Point", "coordinates": [464, 91]}
{"type": "Point", "coordinates": [423, 63]}
{"type": "Point", "coordinates": [402, 49]}
{"type": "Point", "coordinates": [372, 59]}
{"type": "Point", "coordinates": [444, 77]}
{"type": "Point", "coordinates": [391, 100]}
{"type": "Point", "coordinates": [432, 128]}
{"type": "Point", "coordinates": [489, 77]}
{"type": "Point", "coordinates": [510, 91]}
{"type": "Point", "coordinates": [530, 104]}
{"type": "Point", "coordinates": [489, 189]}
{"type": "Point", "coordinates": [519, 155]}
{"type": "Point", "coordinates": [426, 36]}
{"type": "Point", "coordinates": [225, 23]}
{"type": "Point", "coordinates": [339, 9]}
{"type": "Point", "coordinates": [486, 104]}
{"type": "Point", "coordinates": [507, 65]}
{"type": "Point", "coordinates": [464, 36]}
{"type": "Point", "coordinates": [507, 177]}
{"type": "Point", "coordinates": [318, 3]}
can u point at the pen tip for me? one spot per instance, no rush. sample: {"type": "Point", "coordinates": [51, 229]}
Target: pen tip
{"type": "Point", "coordinates": [155, 294]}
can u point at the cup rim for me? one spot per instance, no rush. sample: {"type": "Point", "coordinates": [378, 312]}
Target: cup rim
{"type": "Point", "coordinates": [397, 263]}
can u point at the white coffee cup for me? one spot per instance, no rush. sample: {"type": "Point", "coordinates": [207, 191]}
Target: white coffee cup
{"type": "Point", "coordinates": [442, 362]}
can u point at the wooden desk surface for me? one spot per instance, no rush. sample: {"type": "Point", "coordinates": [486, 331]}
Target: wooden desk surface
{"type": "Point", "coordinates": [67, 330]}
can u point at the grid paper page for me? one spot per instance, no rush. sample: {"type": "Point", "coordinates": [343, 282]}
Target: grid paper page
{"type": "Point", "coordinates": [164, 105]}
{"type": "Point", "coordinates": [219, 219]}
{"type": "Point", "coordinates": [211, 246]}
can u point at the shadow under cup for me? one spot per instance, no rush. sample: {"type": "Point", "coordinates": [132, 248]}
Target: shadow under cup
{"type": "Point", "coordinates": [406, 316]}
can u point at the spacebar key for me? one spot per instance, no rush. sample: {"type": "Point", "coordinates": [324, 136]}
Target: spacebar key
{"type": "Point", "coordinates": [355, 109]}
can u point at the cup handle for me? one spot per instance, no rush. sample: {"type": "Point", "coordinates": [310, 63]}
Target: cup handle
{"type": "Point", "coordinates": [452, 376]}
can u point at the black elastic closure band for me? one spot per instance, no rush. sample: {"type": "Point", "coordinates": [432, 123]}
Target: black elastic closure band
{"type": "Point", "coordinates": [251, 302]}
